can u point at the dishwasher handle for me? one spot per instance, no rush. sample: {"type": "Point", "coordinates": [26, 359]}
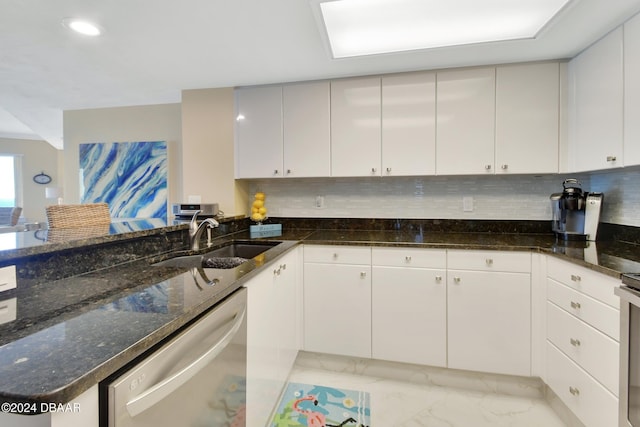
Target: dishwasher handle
{"type": "Point", "coordinates": [164, 388]}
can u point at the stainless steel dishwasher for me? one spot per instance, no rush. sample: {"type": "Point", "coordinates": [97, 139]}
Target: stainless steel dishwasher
{"type": "Point", "coordinates": [197, 379]}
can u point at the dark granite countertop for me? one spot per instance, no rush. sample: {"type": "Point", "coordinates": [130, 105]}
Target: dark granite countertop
{"type": "Point", "coordinates": [74, 332]}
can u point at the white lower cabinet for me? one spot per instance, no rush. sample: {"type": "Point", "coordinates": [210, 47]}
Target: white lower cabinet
{"type": "Point", "coordinates": [489, 312]}
{"type": "Point", "coordinates": [337, 300]}
{"type": "Point", "coordinates": [409, 306]}
{"type": "Point", "coordinates": [582, 339]}
{"type": "Point", "coordinates": [592, 403]}
{"type": "Point", "coordinates": [272, 344]}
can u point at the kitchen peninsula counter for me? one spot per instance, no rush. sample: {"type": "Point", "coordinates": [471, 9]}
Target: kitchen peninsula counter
{"type": "Point", "coordinates": [74, 332]}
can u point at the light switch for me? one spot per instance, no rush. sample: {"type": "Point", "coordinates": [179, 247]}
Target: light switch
{"type": "Point", "coordinates": [7, 278]}
{"type": "Point", "coordinates": [467, 204]}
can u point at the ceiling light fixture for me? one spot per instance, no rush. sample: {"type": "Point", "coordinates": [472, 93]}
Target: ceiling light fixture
{"type": "Point", "coordinates": [82, 26]}
{"type": "Point", "coordinates": [367, 27]}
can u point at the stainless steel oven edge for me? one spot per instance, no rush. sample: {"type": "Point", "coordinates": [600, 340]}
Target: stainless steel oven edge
{"type": "Point", "coordinates": [628, 300]}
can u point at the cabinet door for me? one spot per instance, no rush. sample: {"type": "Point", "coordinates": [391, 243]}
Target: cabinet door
{"type": "Point", "coordinates": [337, 309]}
{"type": "Point", "coordinates": [527, 118]}
{"type": "Point", "coordinates": [596, 106]}
{"type": "Point", "coordinates": [489, 320]}
{"type": "Point", "coordinates": [307, 130]}
{"type": "Point", "coordinates": [286, 300]}
{"type": "Point", "coordinates": [409, 124]}
{"type": "Point", "coordinates": [632, 92]}
{"type": "Point", "coordinates": [355, 127]}
{"type": "Point", "coordinates": [258, 132]}
{"type": "Point", "coordinates": [411, 328]}
{"type": "Point", "coordinates": [465, 134]}
{"type": "Point", "coordinates": [263, 376]}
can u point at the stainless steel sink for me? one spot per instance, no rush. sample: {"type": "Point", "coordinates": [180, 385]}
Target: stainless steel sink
{"type": "Point", "coordinates": [228, 256]}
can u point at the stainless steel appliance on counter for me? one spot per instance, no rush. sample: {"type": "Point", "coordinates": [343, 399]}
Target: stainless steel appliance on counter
{"type": "Point", "coordinates": [575, 213]}
{"type": "Point", "coordinates": [197, 378]}
{"type": "Point", "coordinates": [629, 393]}
{"type": "Point", "coordinates": [187, 210]}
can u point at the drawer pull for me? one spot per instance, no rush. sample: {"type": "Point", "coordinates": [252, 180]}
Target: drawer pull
{"type": "Point", "coordinates": [283, 266]}
{"type": "Point", "coordinates": [438, 279]}
{"type": "Point", "coordinates": [575, 278]}
{"type": "Point", "coordinates": [489, 261]}
{"type": "Point", "coordinates": [574, 391]}
{"type": "Point", "coordinates": [335, 255]}
{"type": "Point", "coordinates": [575, 305]}
{"type": "Point", "coordinates": [574, 342]}
{"type": "Point", "coordinates": [363, 274]}
{"type": "Point", "coordinates": [611, 158]}
{"type": "Point", "coordinates": [277, 272]}
{"type": "Point", "coordinates": [407, 259]}
{"type": "Point", "coordinates": [456, 280]}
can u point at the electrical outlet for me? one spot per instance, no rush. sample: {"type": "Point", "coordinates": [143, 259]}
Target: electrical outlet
{"type": "Point", "coordinates": [467, 204]}
{"type": "Point", "coordinates": [319, 202]}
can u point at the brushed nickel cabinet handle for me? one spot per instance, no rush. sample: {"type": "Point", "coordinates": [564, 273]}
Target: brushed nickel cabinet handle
{"type": "Point", "coordinates": [487, 167]}
{"type": "Point", "coordinates": [438, 279]}
{"type": "Point", "coordinates": [611, 158]}
{"type": "Point", "coordinates": [574, 391]}
{"type": "Point", "coordinates": [456, 280]}
{"type": "Point", "coordinates": [504, 167]}
{"type": "Point", "coordinates": [489, 261]}
{"type": "Point", "coordinates": [575, 305]}
{"type": "Point", "coordinates": [574, 342]}
{"type": "Point", "coordinates": [575, 278]}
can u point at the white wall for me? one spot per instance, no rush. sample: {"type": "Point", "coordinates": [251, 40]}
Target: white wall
{"type": "Point", "coordinates": [123, 124]}
{"type": "Point", "coordinates": [37, 156]}
{"type": "Point", "coordinates": [208, 153]}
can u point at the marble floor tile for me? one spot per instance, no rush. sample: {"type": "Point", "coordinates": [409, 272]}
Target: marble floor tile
{"type": "Point", "coordinates": [402, 403]}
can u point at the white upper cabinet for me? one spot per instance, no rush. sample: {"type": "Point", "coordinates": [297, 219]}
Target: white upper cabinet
{"type": "Point", "coordinates": [355, 127]}
{"type": "Point", "coordinates": [527, 111]}
{"type": "Point", "coordinates": [465, 121]}
{"type": "Point", "coordinates": [259, 132]}
{"type": "Point", "coordinates": [409, 124]}
{"type": "Point", "coordinates": [307, 130]}
{"type": "Point", "coordinates": [596, 106]}
{"type": "Point", "coordinates": [632, 91]}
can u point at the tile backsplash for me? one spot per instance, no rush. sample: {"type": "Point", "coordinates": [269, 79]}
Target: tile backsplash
{"type": "Point", "coordinates": [514, 197]}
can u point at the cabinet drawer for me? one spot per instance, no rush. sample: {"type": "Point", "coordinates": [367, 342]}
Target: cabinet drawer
{"type": "Point", "coordinates": [601, 316]}
{"type": "Point", "coordinates": [594, 405]}
{"type": "Point", "coordinates": [595, 352]}
{"type": "Point", "coordinates": [582, 279]}
{"type": "Point", "coordinates": [409, 257]}
{"type": "Point", "coordinates": [8, 310]}
{"type": "Point", "coordinates": [7, 278]}
{"type": "Point", "coordinates": [337, 254]}
{"type": "Point", "coordinates": [516, 262]}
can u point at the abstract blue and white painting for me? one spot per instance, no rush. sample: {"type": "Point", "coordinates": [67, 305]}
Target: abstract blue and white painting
{"type": "Point", "coordinates": [130, 176]}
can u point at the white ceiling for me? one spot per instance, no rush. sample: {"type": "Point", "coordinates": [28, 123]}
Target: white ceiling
{"type": "Point", "coordinates": [153, 49]}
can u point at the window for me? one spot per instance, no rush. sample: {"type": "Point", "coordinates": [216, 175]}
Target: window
{"type": "Point", "coordinates": [9, 180]}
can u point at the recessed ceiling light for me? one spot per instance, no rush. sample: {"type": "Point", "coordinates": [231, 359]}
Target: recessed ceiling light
{"type": "Point", "coordinates": [82, 26]}
{"type": "Point", "coordinates": [366, 27]}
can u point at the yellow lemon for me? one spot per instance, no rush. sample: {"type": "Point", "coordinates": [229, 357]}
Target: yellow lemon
{"type": "Point", "coordinates": [259, 196]}
{"type": "Point", "coordinates": [258, 204]}
{"type": "Point", "coordinates": [254, 210]}
{"type": "Point", "coordinates": [262, 211]}
{"type": "Point", "coordinates": [257, 217]}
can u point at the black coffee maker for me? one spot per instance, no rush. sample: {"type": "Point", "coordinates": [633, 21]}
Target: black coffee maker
{"type": "Point", "coordinates": [575, 213]}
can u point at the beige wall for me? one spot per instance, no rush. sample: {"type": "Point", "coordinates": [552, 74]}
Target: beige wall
{"type": "Point", "coordinates": [37, 156]}
{"type": "Point", "coordinates": [123, 124]}
{"type": "Point", "coordinates": [208, 150]}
